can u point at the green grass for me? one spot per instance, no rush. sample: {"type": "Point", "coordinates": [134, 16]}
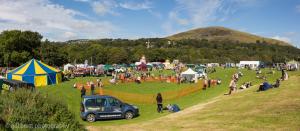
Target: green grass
{"type": "Point", "coordinates": [66, 92]}
{"type": "Point", "coordinates": [147, 88]}
{"type": "Point", "coordinates": [274, 109]}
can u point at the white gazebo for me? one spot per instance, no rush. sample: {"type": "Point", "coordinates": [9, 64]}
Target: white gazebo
{"type": "Point", "coordinates": [68, 66]}
{"type": "Point", "coordinates": [189, 74]}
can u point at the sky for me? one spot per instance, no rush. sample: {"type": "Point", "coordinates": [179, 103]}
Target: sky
{"type": "Point", "coordinates": [62, 20]}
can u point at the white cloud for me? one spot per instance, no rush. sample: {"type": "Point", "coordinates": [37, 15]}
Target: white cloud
{"type": "Point", "coordinates": [82, 0]}
{"type": "Point", "coordinates": [199, 13]}
{"type": "Point", "coordinates": [136, 6]}
{"type": "Point", "coordinates": [104, 7]}
{"type": "Point", "coordinates": [281, 38]}
{"type": "Point", "coordinates": [111, 7]}
{"type": "Point", "coordinates": [51, 20]}
{"type": "Point", "coordinates": [70, 35]}
{"type": "Point", "coordinates": [181, 21]}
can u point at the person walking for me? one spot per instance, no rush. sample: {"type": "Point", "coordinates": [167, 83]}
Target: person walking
{"type": "Point", "coordinates": [159, 101]}
{"type": "Point", "coordinates": [83, 91]}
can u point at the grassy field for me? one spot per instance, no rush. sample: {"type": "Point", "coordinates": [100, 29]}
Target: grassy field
{"type": "Point", "coordinates": [147, 88]}
{"type": "Point", "coordinates": [65, 92]}
{"type": "Point", "coordinates": [274, 109]}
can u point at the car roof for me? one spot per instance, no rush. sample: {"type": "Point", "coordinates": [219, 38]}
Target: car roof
{"type": "Point", "coordinates": [96, 96]}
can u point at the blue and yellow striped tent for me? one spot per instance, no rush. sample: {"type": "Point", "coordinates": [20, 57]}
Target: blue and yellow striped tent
{"type": "Point", "coordinates": [36, 73]}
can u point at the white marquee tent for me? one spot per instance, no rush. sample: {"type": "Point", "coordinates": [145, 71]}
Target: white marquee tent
{"type": "Point", "coordinates": [68, 66]}
{"type": "Point", "coordinates": [189, 74]}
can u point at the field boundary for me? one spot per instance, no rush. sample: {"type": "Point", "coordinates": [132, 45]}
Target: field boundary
{"type": "Point", "coordinates": [146, 98]}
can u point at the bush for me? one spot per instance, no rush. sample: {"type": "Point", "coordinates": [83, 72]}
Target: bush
{"type": "Point", "coordinates": [25, 109]}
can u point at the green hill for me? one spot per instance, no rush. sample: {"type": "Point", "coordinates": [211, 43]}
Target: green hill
{"type": "Point", "coordinates": [223, 34]}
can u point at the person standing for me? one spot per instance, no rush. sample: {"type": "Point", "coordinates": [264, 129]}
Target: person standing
{"type": "Point", "coordinates": [83, 91]}
{"type": "Point", "coordinates": [92, 87]}
{"type": "Point", "coordinates": [205, 82]}
{"type": "Point", "coordinates": [98, 82]}
{"type": "Point", "coordinates": [159, 101]}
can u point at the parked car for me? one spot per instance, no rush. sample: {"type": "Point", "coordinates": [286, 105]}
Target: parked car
{"type": "Point", "coordinates": [99, 107]}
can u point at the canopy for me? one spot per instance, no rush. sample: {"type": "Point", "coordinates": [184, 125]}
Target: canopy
{"type": "Point", "coordinates": [108, 67]}
{"type": "Point", "coordinates": [35, 73]}
{"type": "Point", "coordinates": [189, 75]}
{"type": "Point", "coordinates": [189, 72]}
{"type": "Point", "coordinates": [67, 66]}
{"type": "Point", "coordinates": [293, 62]}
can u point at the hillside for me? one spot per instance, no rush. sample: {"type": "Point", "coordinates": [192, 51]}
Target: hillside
{"type": "Point", "coordinates": [221, 34]}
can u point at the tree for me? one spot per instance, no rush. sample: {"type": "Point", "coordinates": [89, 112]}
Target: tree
{"type": "Point", "coordinates": [15, 44]}
{"type": "Point", "coordinates": [97, 53]}
{"type": "Point", "coordinates": [52, 54]}
{"type": "Point", "coordinates": [117, 55]}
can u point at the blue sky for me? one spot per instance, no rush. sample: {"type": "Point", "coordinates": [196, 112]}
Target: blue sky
{"type": "Point", "coordinates": [62, 20]}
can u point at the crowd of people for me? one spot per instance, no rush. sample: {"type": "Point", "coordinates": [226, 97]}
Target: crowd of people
{"type": "Point", "coordinates": [92, 86]}
{"type": "Point", "coordinates": [263, 86]}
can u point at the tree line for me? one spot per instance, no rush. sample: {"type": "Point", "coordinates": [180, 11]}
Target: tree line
{"type": "Point", "coordinates": [17, 47]}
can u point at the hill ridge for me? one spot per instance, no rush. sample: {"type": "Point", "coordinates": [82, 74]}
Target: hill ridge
{"type": "Point", "coordinates": [219, 33]}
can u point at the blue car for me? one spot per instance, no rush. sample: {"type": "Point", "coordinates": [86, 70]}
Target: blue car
{"type": "Point", "coordinates": [100, 107]}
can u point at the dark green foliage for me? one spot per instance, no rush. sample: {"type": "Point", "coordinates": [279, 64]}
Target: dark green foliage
{"type": "Point", "coordinates": [34, 109]}
{"type": "Point", "coordinates": [18, 46]}
{"type": "Point", "coordinates": [110, 51]}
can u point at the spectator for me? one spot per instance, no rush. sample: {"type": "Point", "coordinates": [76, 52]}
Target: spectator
{"type": "Point", "coordinates": [138, 80]}
{"type": "Point", "coordinates": [282, 74]}
{"type": "Point", "coordinates": [83, 91]}
{"type": "Point", "coordinates": [98, 82]}
{"type": "Point", "coordinates": [232, 86]}
{"type": "Point", "coordinates": [159, 101]}
{"type": "Point", "coordinates": [205, 83]}
{"type": "Point", "coordinates": [209, 82]}
{"type": "Point", "coordinates": [92, 85]}
{"type": "Point", "coordinates": [112, 81]}
{"type": "Point", "coordinates": [277, 84]}
{"type": "Point", "coordinates": [264, 86]}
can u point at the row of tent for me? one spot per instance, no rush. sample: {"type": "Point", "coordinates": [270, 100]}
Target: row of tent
{"type": "Point", "coordinates": [111, 67]}
{"type": "Point", "coordinates": [37, 73]}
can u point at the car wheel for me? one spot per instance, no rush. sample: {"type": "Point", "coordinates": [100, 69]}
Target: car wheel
{"type": "Point", "coordinates": [90, 118]}
{"type": "Point", "coordinates": [128, 115]}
